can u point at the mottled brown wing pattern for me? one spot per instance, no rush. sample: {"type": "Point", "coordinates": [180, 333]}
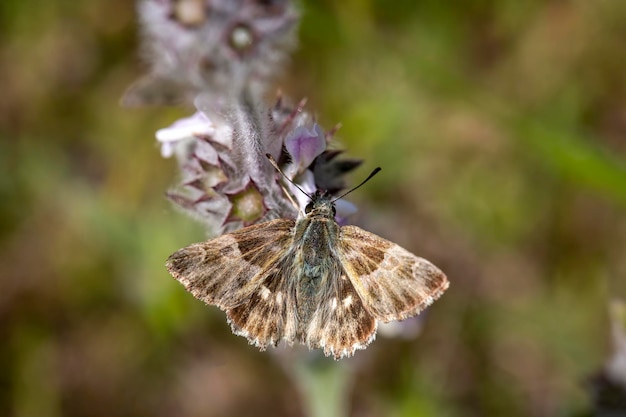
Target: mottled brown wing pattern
{"type": "Point", "coordinates": [341, 324]}
{"type": "Point", "coordinates": [213, 271]}
{"type": "Point", "coordinates": [393, 283]}
{"type": "Point", "coordinates": [255, 273]}
{"type": "Point", "coordinates": [267, 316]}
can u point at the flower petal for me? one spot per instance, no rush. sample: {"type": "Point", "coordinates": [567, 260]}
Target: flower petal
{"type": "Point", "coordinates": [306, 182]}
{"type": "Point", "coordinates": [304, 145]}
{"type": "Point", "coordinates": [187, 128]}
{"type": "Point", "coordinates": [344, 209]}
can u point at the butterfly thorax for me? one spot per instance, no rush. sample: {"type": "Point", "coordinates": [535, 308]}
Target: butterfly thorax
{"type": "Point", "coordinates": [317, 234]}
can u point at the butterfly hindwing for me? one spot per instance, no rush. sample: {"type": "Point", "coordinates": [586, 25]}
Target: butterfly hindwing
{"type": "Point", "coordinates": [393, 283]}
{"type": "Point", "coordinates": [341, 324]}
{"type": "Point", "coordinates": [266, 316]}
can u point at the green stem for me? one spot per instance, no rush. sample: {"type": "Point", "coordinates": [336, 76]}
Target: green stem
{"type": "Point", "coordinates": [324, 386]}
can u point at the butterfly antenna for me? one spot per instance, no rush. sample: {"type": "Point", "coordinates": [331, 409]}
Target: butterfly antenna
{"type": "Point", "coordinates": [369, 177]}
{"type": "Point", "coordinates": [275, 165]}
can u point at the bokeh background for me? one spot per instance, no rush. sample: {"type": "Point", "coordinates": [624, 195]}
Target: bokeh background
{"type": "Point", "coordinates": [500, 127]}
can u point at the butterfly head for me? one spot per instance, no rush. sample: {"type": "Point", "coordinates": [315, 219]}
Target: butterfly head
{"type": "Point", "coordinates": [321, 205]}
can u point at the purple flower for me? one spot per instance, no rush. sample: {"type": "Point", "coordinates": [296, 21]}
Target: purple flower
{"type": "Point", "coordinates": [304, 145]}
{"type": "Point", "coordinates": [344, 209]}
{"type": "Point", "coordinates": [228, 183]}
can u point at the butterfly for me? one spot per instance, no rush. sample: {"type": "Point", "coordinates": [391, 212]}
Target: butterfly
{"type": "Point", "coordinates": [308, 281]}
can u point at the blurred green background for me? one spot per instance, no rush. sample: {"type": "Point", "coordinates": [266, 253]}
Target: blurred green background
{"type": "Point", "coordinates": [500, 127]}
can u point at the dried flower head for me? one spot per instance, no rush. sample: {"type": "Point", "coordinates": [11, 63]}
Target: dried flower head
{"type": "Point", "coordinates": [226, 180]}
{"type": "Point", "coordinates": [221, 46]}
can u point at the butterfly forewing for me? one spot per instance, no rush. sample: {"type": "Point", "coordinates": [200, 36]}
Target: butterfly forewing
{"type": "Point", "coordinates": [393, 283]}
{"type": "Point", "coordinates": [225, 271]}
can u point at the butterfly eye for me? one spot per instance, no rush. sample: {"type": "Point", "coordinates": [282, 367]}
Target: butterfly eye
{"type": "Point", "coordinates": [334, 211]}
{"type": "Point", "coordinates": [308, 208]}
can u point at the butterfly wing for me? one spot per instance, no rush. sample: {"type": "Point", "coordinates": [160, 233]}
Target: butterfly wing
{"type": "Point", "coordinates": [241, 273]}
{"type": "Point", "coordinates": [393, 283]}
{"type": "Point", "coordinates": [267, 315]}
{"type": "Point", "coordinates": [341, 324]}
